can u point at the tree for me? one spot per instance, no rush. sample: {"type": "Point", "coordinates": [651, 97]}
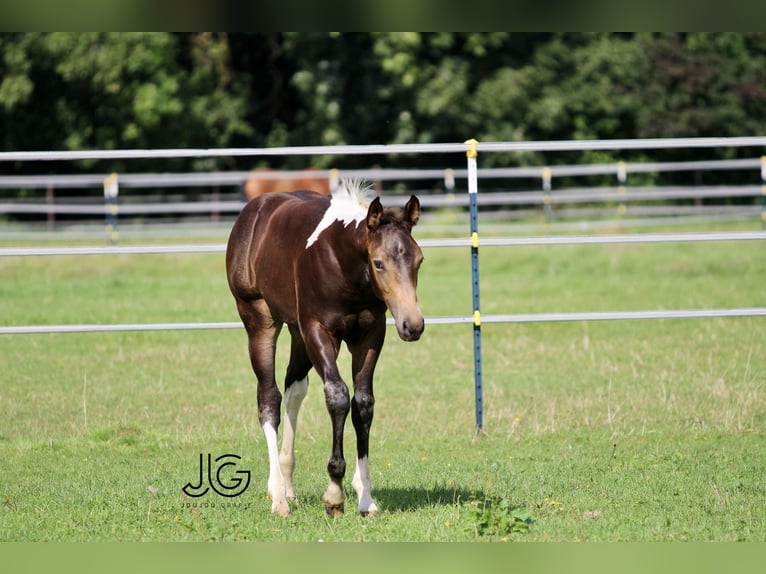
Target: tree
{"type": "Point", "coordinates": [115, 90]}
{"type": "Point", "coordinates": [704, 85]}
{"type": "Point", "coordinates": [154, 90]}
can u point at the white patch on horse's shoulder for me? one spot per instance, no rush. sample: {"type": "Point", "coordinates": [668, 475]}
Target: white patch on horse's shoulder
{"type": "Point", "coordinates": [349, 203]}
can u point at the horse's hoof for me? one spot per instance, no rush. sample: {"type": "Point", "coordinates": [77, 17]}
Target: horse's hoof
{"type": "Point", "coordinates": [280, 508]}
{"type": "Point", "coordinates": [334, 510]}
{"type": "Point", "coordinates": [371, 512]}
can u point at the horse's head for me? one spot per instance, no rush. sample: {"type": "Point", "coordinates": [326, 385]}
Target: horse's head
{"type": "Point", "coordinates": [394, 259]}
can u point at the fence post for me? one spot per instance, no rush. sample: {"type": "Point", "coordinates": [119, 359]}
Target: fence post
{"type": "Point", "coordinates": [547, 199]}
{"type": "Point", "coordinates": [622, 176]}
{"type": "Point", "coordinates": [449, 181]}
{"type": "Point", "coordinates": [111, 206]}
{"type": "Point", "coordinates": [473, 205]}
{"type": "Point", "coordinates": [334, 179]}
{"type": "Point", "coordinates": [50, 199]}
{"type": "Point", "coordinates": [763, 191]}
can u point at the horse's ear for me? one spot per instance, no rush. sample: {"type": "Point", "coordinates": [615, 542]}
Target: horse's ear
{"type": "Point", "coordinates": [412, 210]}
{"type": "Point", "coordinates": [374, 213]}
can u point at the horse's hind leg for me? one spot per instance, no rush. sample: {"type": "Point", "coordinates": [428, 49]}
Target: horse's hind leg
{"type": "Point", "coordinates": [262, 333]}
{"type": "Point", "coordinates": [296, 386]}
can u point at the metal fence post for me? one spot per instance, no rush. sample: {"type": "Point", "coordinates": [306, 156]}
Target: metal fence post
{"type": "Point", "coordinates": [622, 176]}
{"type": "Point", "coordinates": [763, 191]}
{"type": "Point", "coordinates": [50, 199]}
{"type": "Point", "coordinates": [473, 187]}
{"type": "Point", "coordinates": [111, 206]}
{"type": "Point", "coordinates": [547, 175]}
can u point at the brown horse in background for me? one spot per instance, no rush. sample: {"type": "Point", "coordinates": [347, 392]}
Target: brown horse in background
{"type": "Point", "coordinates": [256, 185]}
{"type": "Point", "coordinates": [328, 267]}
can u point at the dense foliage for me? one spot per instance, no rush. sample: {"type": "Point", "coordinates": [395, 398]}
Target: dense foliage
{"type": "Point", "coordinates": [153, 90]}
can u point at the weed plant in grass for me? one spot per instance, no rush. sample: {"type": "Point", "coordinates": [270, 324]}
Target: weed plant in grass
{"type": "Point", "coordinates": [635, 431]}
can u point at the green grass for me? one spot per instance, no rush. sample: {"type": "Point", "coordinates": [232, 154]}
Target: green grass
{"type": "Point", "coordinates": [637, 431]}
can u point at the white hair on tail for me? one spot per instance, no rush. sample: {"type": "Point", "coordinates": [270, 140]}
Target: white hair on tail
{"type": "Point", "coordinates": [349, 203]}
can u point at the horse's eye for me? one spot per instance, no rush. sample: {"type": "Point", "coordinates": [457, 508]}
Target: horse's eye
{"type": "Point", "coordinates": [378, 264]}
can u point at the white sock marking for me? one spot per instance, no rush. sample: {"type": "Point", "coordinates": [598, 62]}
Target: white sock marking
{"type": "Point", "coordinates": [276, 484]}
{"type": "Point", "coordinates": [363, 488]}
{"type": "Point", "coordinates": [349, 203]}
{"type": "Point", "coordinates": [333, 496]}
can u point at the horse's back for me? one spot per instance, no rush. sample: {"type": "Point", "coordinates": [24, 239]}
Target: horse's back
{"type": "Point", "coordinates": [272, 209]}
{"type": "Point", "coordinates": [267, 235]}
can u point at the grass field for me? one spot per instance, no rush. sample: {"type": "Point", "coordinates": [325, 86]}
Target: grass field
{"type": "Point", "coordinates": [635, 431]}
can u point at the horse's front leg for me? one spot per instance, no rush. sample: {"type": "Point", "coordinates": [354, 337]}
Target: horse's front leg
{"type": "Point", "coordinates": [322, 348]}
{"type": "Point", "coordinates": [365, 353]}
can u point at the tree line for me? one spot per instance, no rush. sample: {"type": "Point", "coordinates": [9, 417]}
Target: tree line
{"type": "Point", "coordinates": [64, 91]}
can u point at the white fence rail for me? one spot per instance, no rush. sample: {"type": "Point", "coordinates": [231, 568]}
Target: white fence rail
{"type": "Point", "coordinates": [232, 178]}
{"type": "Point", "coordinates": [390, 149]}
{"type": "Point", "coordinates": [425, 242]}
{"type": "Point", "coordinates": [433, 320]}
{"type": "Point", "coordinates": [568, 196]}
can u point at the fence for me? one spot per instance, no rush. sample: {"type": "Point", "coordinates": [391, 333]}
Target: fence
{"type": "Point", "coordinates": [545, 196]}
{"type": "Point", "coordinates": [471, 149]}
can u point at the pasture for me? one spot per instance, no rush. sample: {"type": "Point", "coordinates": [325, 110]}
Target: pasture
{"type": "Point", "coordinates": [611, 431]}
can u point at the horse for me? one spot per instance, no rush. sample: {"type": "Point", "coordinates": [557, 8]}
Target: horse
{"type": "Point", "coordinates": [255, 186]}
{"type": "Point", "coordinates": [328, 267]}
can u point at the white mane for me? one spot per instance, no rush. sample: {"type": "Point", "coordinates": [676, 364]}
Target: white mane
{"type": "Point", "coordinates": [355, 191]}
{"type": "Point", "coordinates": [349, 203]}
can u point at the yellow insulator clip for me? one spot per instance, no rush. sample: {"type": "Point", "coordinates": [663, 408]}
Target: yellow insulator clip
{"type": "Point", "coordinates": [547, 174]}
{"type": "Point", "coordinates": [477, 318]}
{"type": "Point", "coordinates": [471, 152]}
{"type": "Point", "coordinates": [475, 239]}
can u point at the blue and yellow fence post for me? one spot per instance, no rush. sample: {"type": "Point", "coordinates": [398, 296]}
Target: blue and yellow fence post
{"type": "Point", "coordinates": [111, 207]}
{"type": "Point", "coordinates": [473, 206]}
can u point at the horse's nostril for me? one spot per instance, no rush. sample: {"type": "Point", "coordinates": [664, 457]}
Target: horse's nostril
{"type": "Point", "coordinates": [410, 332]}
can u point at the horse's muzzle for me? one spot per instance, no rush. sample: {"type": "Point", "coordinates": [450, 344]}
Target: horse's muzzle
{"type": "Point", "coordinates": [411, 330]}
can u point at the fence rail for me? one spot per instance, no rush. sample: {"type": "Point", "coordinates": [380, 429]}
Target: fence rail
{"type": "Point", "coordinates": [390, 149]}
{"type": "Point", "coordinates": [434, 320]}
{"type": "Point", "coordinates": [690, 237]}
{"type": "Point", "coordinates": [498, 198]}
{"type": "Point", "coordinates": [231, 178]}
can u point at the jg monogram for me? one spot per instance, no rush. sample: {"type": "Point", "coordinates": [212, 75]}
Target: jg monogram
{"type": "Point", "coordinates": [237, 485]}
